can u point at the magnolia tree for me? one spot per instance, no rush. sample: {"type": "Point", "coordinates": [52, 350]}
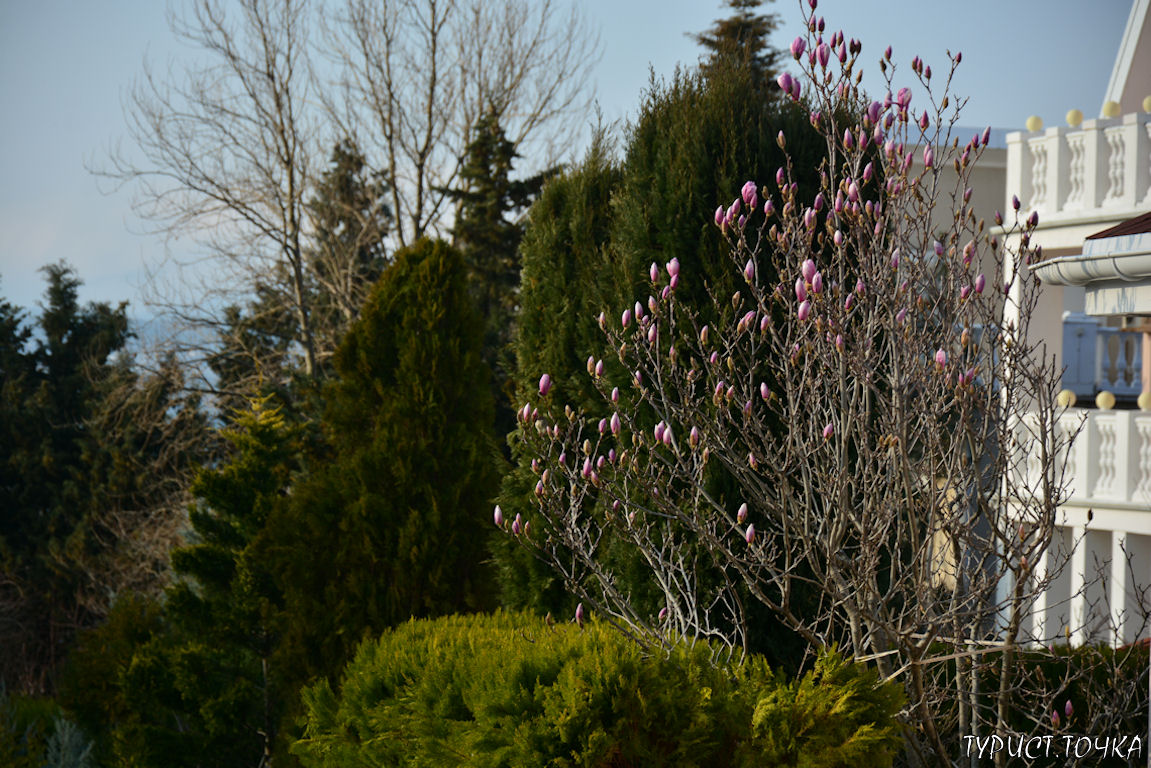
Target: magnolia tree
{"type": "Point", "coordinates": [865, 420]}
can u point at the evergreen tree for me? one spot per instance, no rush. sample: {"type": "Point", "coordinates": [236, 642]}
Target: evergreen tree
{"type": "Point", "coordinates": [351, 220]}
{"type": "Point", "coordinates": [49, 390]}
{"type": "Point", "coordinates": [93, 458]}
{"type": "Point", "coordinates": [393, 525]}
{"type": "Point", "coordinates": [258, 350]}
{"type": "Point", "coordinates": [487, 233]}
{"type": "Point", "coordinates": [190, 682]}
{"type": "Point", "coordinates": [567, 278]}
{"type": "Point", "coordinates": [741, 40]}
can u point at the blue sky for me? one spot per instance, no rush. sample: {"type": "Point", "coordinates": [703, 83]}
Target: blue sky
{"type": "Point", "coordinates": [65, 66]}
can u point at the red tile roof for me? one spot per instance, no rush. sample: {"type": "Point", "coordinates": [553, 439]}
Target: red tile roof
{"type": "Point", "coordinates": [1135, 226]}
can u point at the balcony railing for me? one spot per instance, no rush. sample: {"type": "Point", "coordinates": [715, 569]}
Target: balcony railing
{"type": "Point", "coordinates": [1101, 550]}
{"type": "Point", "coordinates": [1098, 358]}
{"type": "Point", "coordinates": [1065, 173]}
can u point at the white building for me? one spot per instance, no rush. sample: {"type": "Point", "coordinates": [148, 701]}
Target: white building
{"type": "Point", "coordinates": [1090, 183]}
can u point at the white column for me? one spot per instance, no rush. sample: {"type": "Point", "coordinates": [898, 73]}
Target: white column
{"type": "Point", "coordinates": [1117, 589]}
{"type": "Point", "coordinates": [1078, 616]}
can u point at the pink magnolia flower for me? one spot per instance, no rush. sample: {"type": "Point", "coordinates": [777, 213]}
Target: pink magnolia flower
{"type": "Point", "coordinates": [804, 310]}
{"type": "Point", "coordinates": [940, 357]}
{"type": "Point", "coordinates": [749, 195]}
{"type": "Point", "coordinates": [798, 46]}
{"type": "Point", "coordinates": [823, 54]}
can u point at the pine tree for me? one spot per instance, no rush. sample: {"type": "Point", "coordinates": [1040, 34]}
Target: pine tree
{"type": "Point", "coordinates": [741, 40]}
{"type": "Point", "coordinates": [487, 232]}
{"type": "Point", "coordinates": [347, 255]}
{"type": "Point", "coordinates": [50, 389]}
{"type": "Point", "coordinates": [258, 349]}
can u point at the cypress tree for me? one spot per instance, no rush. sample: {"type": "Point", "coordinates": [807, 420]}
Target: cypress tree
{"type": "Point", "coordinates": [567, 278]}
{"type": "Point", "coordinates": [393, 525]}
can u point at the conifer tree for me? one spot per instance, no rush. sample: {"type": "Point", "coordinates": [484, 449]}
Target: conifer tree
{"type": "Point", "coordinates": [192, 681]}
{"type": "Point", "coordinates": [487, 233]}
{"type": "Point", "coordinates": [51, 384]}
{"type": "Point", "coordinates": [741, 40]}
{"type": "Point", "coordinates": [393, 525]}
{"type": "Point", "coordinates": [567, 278]}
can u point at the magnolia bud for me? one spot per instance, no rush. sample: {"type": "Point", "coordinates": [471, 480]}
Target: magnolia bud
{"type": "Point", "coordinates": [804, 310]}
{"type": "Point", "coordinates": [817, 283]}
{"type": "Point", "coordinates": [579, 615]}
{"type": "Point", "coordinates": [764, 391]}
{"type": "Point", "coordinates": [828, 431]}
{"type": "Point", "coordinates": [545, 384]}
{"type": "Point", "coordinates": [749, 535]}
{"type": "Point", "coordinates": [498, 516]}
{"type": "Point", "coordinates": [798, 46]}
{"type": "Point", "coordinates": [749, 270]}
{"type": "Point", "coordinates": [653, 272]}
{"type": "Point", "coordinates": [800, 290]}
{"type": "Point", "coordinates": [663, 613]}
{"type": "Point", "coordinates": [599, 368]}
{"type": "Point", "coordinates": [980, 282]}
{"type": "Point", "coordinates": [741, 515]}
{"type": "Point", "coordinates": [673, 268]}
{"type": "Point", "coordinates": [694, 437]}
{"type": "Point", "coordinates": [808, 270]}
{"type": "Point", "coordinates": [615, 423]}
{"type": "Point", "coordinates": [625, 319]}
{"type": "Point", "coordinates": [940, 358]}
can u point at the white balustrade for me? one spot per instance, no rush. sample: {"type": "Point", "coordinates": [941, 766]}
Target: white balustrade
{"type": "Point", "coordinates": [1065, 173]}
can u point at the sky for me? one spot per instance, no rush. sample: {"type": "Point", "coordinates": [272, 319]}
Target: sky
{"type": "Point", "coordinates": [66, 67]}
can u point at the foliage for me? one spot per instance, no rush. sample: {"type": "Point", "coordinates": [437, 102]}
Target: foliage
{"type": "Point", "coordinates": [35, 734]}
{"type": "Point", "coordinates": [392, 524]}
{"type": "Point", "coordinates": [192, 681]}
{"type": "Point", "coordinates": [565, 244]}
{"type": "Point", "coordinates": [741, 40]}
{"type": "Point", "coordinates": [859, 379]}
{"type": "Point", "coordinates": [695, 139]}
{"type": "Point", "coordinates": [487, 232]}
{"type": "Point", "coordinates": [92, 460]}
{"type": "Point", "coordinates": [511, 690]}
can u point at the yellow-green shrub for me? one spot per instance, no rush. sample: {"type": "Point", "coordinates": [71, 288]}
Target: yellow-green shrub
{"type": "Point", "coordinates": [509, 690]}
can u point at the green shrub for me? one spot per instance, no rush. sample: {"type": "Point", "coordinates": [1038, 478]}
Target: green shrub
{"type": "Point", "coordinates": [35, 734]}
{"type": "Point", "coordinates": [510, 690]}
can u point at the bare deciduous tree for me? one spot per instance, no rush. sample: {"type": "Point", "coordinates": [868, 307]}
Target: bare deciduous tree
{"type": "Point", "coordinates": [418, 74]}
{"type": "Point", "coordinates": [226, 150]}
